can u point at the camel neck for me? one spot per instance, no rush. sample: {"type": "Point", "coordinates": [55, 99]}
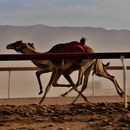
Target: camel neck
{"type": "Point", "coordinates": [29, 52]}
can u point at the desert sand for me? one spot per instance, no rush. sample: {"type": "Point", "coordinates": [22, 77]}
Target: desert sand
{"type": "Point", "coordinates": [56, 113]}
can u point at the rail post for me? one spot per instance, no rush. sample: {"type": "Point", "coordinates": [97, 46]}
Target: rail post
{"type": "Point", "coordinates": [124, 80]}
{"type": "Point", "coordinates": [9, 82]}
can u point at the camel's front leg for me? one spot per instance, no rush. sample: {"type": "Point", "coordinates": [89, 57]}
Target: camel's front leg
{"type": "Point", "coordinates": [38, 74]}
{"type": "Point", "coordinates": [48, 86]}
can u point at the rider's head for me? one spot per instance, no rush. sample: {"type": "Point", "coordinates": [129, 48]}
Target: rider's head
{"type": "Point", "coordinates": [82, 40]}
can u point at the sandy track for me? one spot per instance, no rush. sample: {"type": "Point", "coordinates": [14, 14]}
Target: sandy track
{"type": "Point", "coordinates": [105, 113]}
{"type": "Point", "coordinates": [59, 100]}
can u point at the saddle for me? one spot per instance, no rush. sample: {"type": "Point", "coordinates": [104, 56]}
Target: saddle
{"type": "Point", "coordinates": [76, 46]}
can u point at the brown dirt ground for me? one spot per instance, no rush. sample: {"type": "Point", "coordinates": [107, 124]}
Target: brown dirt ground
{"type": "Point", "coordinates": [104, 113]}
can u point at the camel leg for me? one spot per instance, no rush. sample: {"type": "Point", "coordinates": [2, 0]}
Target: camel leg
{"type": "Point", "coordinates": [48, 86]}
{"type": "Point", "coordinates": [100, 70]}
{"type": "Point", "coordinates": [67, 77]}
{"type": "Point", "coordinates": [80, 76]}
{"type": "Point", "coordinates": [112, 78]}
{"type": "Point", "coordinates": [38, 74]}
{"type": "Point", "coordinates": [55, 76]}
{"type": "Point", "coordinates": [70, 80]}
{"type": "Point", "coordinates": [75, 88]}
{"type": "Point", "coordinates": [84, 86]}
{"type": "Point", "coordinates": [84, 67]}
{"type": "Point", "coordinates": [79, 82]}
{"type": "Point", "coordinates": [71, 83]}
{"type": "Point", "coordinates": [66, 93]}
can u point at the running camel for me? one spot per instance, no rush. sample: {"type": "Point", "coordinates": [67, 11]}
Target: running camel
{"type": "Point", "coordinates": [57, 67]}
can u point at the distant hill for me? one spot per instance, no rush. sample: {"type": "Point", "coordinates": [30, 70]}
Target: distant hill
{"type": "Point", "coordinates": [45, 37]}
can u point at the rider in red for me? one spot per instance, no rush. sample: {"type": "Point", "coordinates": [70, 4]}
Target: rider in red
{"type": "Point", "coordinates": [86, 47]}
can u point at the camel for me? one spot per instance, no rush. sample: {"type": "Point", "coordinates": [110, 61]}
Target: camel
{"type": "Point", "coordinates": [58, 67]}
{"type": "Point", "coordinates": [51, 65]}
{"type": "Point", "coordinates": [99, 69]}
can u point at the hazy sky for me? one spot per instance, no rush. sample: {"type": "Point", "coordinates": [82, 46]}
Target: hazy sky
{"type": "Point", "coordinates": [111, 14]}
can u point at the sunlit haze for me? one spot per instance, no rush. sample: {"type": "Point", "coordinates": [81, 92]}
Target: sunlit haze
{"type": "Point", "coordinates": [110, 14]}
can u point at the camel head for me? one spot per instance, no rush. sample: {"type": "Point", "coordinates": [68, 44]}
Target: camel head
{"type": "Point", "coordinates": [19, 46]}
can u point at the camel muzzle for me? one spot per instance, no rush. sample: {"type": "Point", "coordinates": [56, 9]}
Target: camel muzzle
{"type": "Point", "coordinates": [8, 47]}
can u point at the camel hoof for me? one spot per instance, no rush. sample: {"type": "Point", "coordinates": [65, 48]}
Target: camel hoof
{"type": "Point", "coordinates": [121, 94]}
{"type": "Point", "coordinates": [40, 103]}
{"type": "Point", "coordinates": [72, 103]}
{"type": "Point", "coordinates": [40, 92]}
{"type": "Point", "coordinates": [63, 95]}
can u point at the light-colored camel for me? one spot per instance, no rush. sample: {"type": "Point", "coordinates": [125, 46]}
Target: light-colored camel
{"type": "Point", "coordinates": [99, 69]}
{"type": "Point", "coordinates": [57, 68]}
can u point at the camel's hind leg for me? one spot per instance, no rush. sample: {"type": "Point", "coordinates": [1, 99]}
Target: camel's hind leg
{"type": "Point", "coordinates": [84, 86]}
{"type": "Point", "coordinates": [100, 70]}
{"type": "Point", "coordinates": [79, 82]}
{"type": "Point", "coordinates": [55, 76]}
{"type": "Point", "coordinates": [84, 66]}
{"type": "Point", "coordinates": [67, 77]}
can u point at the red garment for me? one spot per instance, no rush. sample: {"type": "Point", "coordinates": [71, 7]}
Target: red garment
{"type": "Point", "coordinates": [87, 48]}
{"type": "Point", "coordinates": [75, 46]}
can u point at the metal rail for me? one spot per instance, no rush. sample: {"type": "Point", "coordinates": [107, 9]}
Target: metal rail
{"type": "Point", "coordinates": [44, 56]}
{"type": "Point", "coordinates": [35, 68]}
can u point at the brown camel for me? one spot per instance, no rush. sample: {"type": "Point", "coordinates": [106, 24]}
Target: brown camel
{"type": "Point", "coordinates": [57, 67]}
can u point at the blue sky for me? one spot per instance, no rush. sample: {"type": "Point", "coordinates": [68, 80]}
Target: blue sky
{"type": "Point", "coordinates": [110, 14]}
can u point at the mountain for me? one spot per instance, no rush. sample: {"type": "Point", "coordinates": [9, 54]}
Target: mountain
{"type": "Point", "coordinates": [44, 37]}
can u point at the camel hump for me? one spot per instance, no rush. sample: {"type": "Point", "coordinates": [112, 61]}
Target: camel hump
{"type": "Point", "coordinates": [73, 46]}
{"type": "Point", "coordinates": [59, 48]}
{"type": "Point", "coordinates": [76, 46]}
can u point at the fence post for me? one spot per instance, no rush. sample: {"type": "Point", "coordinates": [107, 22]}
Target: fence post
{"type": "Point", "coordinates": [9, 82]}
{"type": "Point", "coordinates": [124, 81]}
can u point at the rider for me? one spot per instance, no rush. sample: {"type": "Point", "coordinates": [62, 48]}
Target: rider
{"type": "Point", "coordinates": [86, 47]}
{"type": "Point", "coordinates": [82, 40]}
